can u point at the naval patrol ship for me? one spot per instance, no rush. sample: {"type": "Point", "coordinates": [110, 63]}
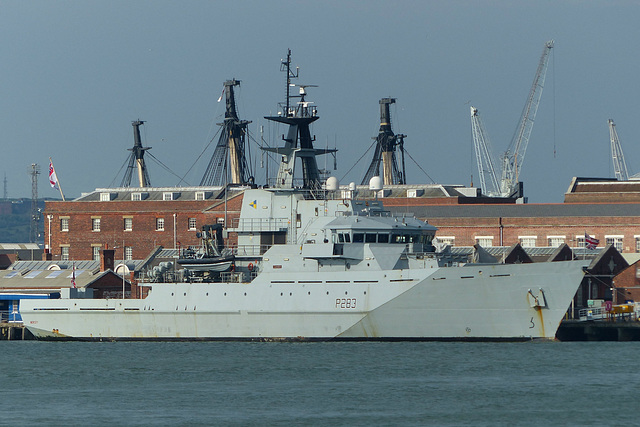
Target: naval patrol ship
{"type": "Point", "coordinates": [313, 261]}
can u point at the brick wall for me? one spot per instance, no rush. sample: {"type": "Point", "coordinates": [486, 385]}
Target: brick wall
{"type": "Point", "coordinates": [465, 230]}
{"type": "Point", "coordinates": [143, 237]}
{"type": "Point", "coordinates": [627, 284]}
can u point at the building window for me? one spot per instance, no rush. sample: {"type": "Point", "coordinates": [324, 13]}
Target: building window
{"type": "Point", "coordinates": [64, 224]}
{"type": "Point", "coordinates": [95, 224]}
{"type": "Point", "coordinates": [580, 242]}
{"type": "Point", "coordinates": [445, 240]}
{"type": "Point", "coordinates": [192, 223]}
{"type": "Point", "coordinates": [220, 221]}
{"type": "Point", "coordinates": [105, 197]}
{"type": "Point", "coordinates": [167, 196]}
{"type": "Point", "coordinates": [637, 243]}
{"type": "Point", "coordinates": [199, 195]}
{"type": "Point", "coordinates": [159, 224]}
{"type": "Point", "coordinates": [128, 224]}
{"type": "Point", "coordinates": [136, 197]}
{"type": "Point", "coordinates": [64, 253]}
{"type": "Point", "coordinates": [528, 241]}
{"type": "Point", "coordinates": [95, 252]}
{"type": "Point", "coordinates": [616, 241]}
{"type": "Point", "coordinates": [555, 241]}
{"type": "Point", "coordinates": [484, 241]}
{"type": "Point", "coordinates": [128, 253]}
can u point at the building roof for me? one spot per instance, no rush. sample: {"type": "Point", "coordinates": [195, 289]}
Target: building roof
{"type": "Point", "coordinates": [19, 246]}
{"type": "Point", "coordinates": [93, 266]}
{"type": "Point", "coordinates": [151, 193]}
{"type": "Point", "coordinates": [47, 280]}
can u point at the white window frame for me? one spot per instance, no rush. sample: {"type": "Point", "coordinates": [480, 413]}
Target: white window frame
{"type": "Point", "coordinates": [64, 253]}
{"type": "Point", "coordinates": [105, 197]}
{"type": "Point", "coordinates": [616, 240]}
{"type": "Point", "coordinates": [64, 223]}
{"type": "Point", "coordinates": [580, 243]}
{"type": "Point", "coordinates": [199, 195]}
{"type": "Point", "coordinates": [550, 240]}
{"type": "Point", "coordinates": [637, 238]}
{"type": "Point", "coordinates": [136, 197]}
{"type": "Point", "coordinates": [447, 240]}
{"type": "Point", "coordinates": [128, 253]}
{"type": "Point", "coordinates": [192, 224]}
{"type": "Point", "coordinates": [488, 239]}
{"type": "Point", "coordinates": [527, 241]}
{"type": "Point", "coordinates": [167, 196]}
{"type": "Point", "coordinates": [95, 252]}
{"type": "Point", "coordinates": [95, 224]}
{"type": "Point", "coordinates": [127, 224]}
{"type": "Point", "coordinates": [159, 224]}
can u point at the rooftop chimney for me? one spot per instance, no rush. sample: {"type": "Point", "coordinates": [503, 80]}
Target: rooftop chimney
{"type": "Point", "coordinates": [106, 259]}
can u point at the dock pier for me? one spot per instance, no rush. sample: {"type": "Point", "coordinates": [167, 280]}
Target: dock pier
{"type": "Point", "coordinates": [599, 330]}
{"type": "Point", "coordinates": [14, 332]}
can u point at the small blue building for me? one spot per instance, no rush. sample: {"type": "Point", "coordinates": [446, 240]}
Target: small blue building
{"type": "Point", "coordinates": [10, 305]}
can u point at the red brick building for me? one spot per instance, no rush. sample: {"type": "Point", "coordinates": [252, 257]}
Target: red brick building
{"type": "Point", "coordinates": [136, 219]}
{"type": "Point", "coordinates": [627, 284]}
{"type": "Point", "coordinates": [141, 219]}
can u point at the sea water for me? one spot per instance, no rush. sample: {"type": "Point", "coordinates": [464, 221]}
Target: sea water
{"type": "Point", "coordinates": [325, 384]}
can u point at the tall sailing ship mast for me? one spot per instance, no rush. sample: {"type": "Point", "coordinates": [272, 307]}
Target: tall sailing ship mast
{"type": "Point", "coordinates": [385, 153]}
{"type": "Point", "coordinates": [136, 160]}
{"type": "Point", "coordinates": [231, 146]}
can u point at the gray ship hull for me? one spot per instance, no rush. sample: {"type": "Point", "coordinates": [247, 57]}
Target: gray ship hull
{"type": "Point", "coordinates": [474, 302]}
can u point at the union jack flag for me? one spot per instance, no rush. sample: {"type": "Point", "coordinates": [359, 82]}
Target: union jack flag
{"type": "Point", "coordinates": [590, 242]}
{"type": "Point", "coordinates": [73, 276]}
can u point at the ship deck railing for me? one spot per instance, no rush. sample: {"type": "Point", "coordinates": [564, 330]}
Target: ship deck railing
{"type": "Point", "coordinates": [248, 250]}
{"type": "Point", "coordinates": [254, 225]}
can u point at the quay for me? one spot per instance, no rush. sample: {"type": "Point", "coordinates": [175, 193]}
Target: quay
{"type": "Point", "coordinates": [13, 332]}
{"type": "Point", "coordinates": [599, 330]}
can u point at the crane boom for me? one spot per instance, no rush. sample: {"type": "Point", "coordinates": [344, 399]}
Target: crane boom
{"type": "Point", "coordinates": [619, 164]}
{"type": "Point", "coordinates": [514, 156]}
{"type": "Point", "coordinates": [484, 158]}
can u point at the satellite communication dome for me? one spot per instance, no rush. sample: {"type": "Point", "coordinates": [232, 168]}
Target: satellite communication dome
{"type": "Point", "coordinates": [352, 186]}
{"type": "Point", "coordinates": [332, 183]}
{"type": "Point", "coordinates": [375, 183]}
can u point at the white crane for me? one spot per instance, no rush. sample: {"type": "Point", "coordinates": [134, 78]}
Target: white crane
{"type": "Point", "coordinates": [513, 158]}
{"type": "Point", "coordinates": [484, 155]}
{"type": "Point", "coordinates": [619, 164]}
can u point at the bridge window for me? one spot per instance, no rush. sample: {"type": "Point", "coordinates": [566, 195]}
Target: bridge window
{"type": "Point", "coordinates": [383, 238]}
{"type": "Point", "coordinates": [358, 237]}
{"type": "Point", "coordinates": [370, 238]}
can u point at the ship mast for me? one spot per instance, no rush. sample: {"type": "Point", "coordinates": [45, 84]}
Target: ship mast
{"type": "Point", "coordinates": [298, 144]}
{"type": "Point", "coordinates": [385, 153]}
{"type": "Point", "coordinates": [231, 145]}
{"type": "Point", "coordinates": [136, 160]}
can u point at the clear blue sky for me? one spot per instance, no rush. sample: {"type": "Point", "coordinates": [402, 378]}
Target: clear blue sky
{"type": "Point", "coordinates": [74, 74]}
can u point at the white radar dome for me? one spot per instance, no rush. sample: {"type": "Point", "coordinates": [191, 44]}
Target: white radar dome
{"type": "Point", "coordinates": [352, 186]}
{"type": "Point", "coordinates": [375, 183]}
{"type": "Point", "coordinates": [332, 183]}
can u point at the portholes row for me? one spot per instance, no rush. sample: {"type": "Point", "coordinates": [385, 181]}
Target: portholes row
{"type": "Point", "coordinates": [281, 293]}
